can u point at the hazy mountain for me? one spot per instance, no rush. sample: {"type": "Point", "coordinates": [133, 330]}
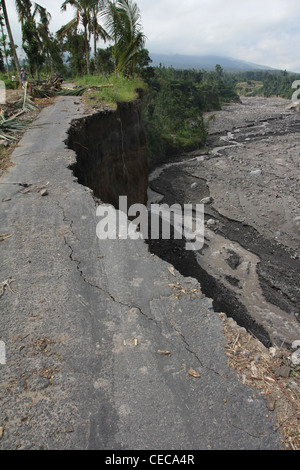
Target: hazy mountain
{"type": "Point", "coordinates": [204, 62]}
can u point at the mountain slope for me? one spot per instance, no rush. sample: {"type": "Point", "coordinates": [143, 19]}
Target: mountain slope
{"type": "Point", "coordinates": [204, 62]}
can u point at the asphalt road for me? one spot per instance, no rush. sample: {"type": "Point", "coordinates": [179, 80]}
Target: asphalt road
{"type": "Point", "coordinates": [83, 320]}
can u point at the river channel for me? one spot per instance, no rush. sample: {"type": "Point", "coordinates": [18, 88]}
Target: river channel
{"type": "Point", "coordinates": [249, 177]}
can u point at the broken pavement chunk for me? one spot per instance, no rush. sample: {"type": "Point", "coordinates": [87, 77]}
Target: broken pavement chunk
{"type": "Point", "coordinates": [171, 270]}
{"type": "Point", "coordinates": [206, 200]}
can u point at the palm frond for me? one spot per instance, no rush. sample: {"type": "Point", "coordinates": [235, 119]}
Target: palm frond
{"type": "Point", "coordinates": [72, 91]}
{"type": "Point", "coordinates": [45, 16]}
{"type": "Point", "coordinates": [101, 33]}
{"type": "Point", "coordinates": [123, 25]}
{"type": "Point", "coordinates": [11, 126]}
{"type": "Point", "coordinates": [69, 27]}
{"type": "Point", "coordinates": [43, 93]}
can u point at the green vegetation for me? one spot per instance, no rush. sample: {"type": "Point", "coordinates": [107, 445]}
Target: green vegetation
{"type": "Point", "coordinates": [248, 88]}
{"type": "Point", "coordinates": [115, 89]}
{"type": "Point", "coordinates": [175, 103]}
{"type": "Point", "coordinates": [9, 84]}
{"type": "Point", "coordinates": [122, 24]}
{"type": "Point", "coordinates": [265, 83]}
{"type": "Point", "coordinates": [117, 22]}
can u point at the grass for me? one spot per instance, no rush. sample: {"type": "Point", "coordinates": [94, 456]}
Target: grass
{"type": "Point", "coordinates": [249, 88]}
{"type": "Point", "coordinates": [115, 89]}
{"type": "Point", "coordinates": [5, 153]}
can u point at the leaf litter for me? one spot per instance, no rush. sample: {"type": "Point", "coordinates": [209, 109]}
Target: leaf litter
{"type": "Point", "coordinates": [272, 372]}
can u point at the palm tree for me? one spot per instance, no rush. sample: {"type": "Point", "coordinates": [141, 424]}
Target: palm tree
{"type": "Point", "coordinates": [11, 39]}
{"type": "Point", "coordinates": [43, 31]}
{"type": "Point", "coordinates": [96, 29]}
{"type": "Point", "coordinates": [24, 10]}
{"type": "Point", "coordinates": [82, 15]}
{"type": "Point", "coordinates": [122, 23]}
{"type": "Point", "coordinates": [3, 43]}
{"type": "Point", "coordinates": [36, 37]}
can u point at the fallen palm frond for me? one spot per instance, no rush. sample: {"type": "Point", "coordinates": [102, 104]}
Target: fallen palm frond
{"type": "Point", "coordinates": [11, 126]}
{"type": "Point", "coordinates": [72, 91]}
{"type": "Point", "coordinates": [9, 129]}
{"type": "Point", "coordinates": [29, 105]}
{"type": "Point", "coordinates": [43, 93]}
{"type": "Point", "coordinates": [47, 93]}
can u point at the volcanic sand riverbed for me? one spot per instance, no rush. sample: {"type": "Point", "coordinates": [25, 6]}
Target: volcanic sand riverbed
{"type": "Point", "coordinates": [249, 263]}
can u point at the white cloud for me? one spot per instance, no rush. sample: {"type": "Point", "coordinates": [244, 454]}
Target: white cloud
{"type": "Point", "coordinates": [264, 32]}
{"type": "Point", "coordinates": [261, 31]}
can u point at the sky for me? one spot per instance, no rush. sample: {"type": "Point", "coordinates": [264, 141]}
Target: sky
{"type": "Point", "coordinates": [265, 32]}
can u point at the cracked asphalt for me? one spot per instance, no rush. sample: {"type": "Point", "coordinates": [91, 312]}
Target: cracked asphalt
{"type": "Point", "coordinates": [100, 336]}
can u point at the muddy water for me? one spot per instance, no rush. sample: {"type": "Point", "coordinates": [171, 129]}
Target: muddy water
{"type": "Point", "coordinates": [249, 264]}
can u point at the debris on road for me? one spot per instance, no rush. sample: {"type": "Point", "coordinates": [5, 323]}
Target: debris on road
{"type": "Point", "coordinates": [6, 284]}
{"type": "Point", "coordinates": [194, 373]}
{"type": "Point", "coordinates": [163, 352]}
{"type": "Point", "coordinates": [5, 236]}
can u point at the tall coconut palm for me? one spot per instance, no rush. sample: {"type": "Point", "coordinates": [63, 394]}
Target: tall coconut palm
{"type": "Point", "coordinates": [96, 7]}
{"type": "Point", "coordinates": [24, 10]}
{"type": "Point", "coordinates": [82, 16]}
{"type": "Point", "coordinates": [43, 32]}
{"type": "Point", "coordinates": [3, 43]}
{"type": "Point", "coordinates": [35, 36]}
{"type": "Point", "coordinates": [11, 39]}
{"type": "Point", "coordinates": [123, 24]}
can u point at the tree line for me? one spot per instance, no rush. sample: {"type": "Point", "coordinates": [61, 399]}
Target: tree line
{"type": "Point", "coordinates": [268, 82]}
{"type": "Point", "coordinates": [116, 22]}
{"type": "Point", "coordinates": [175, 103]}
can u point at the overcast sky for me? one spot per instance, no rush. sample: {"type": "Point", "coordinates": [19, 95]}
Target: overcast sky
{"type": "Point", "coordinates": [266, 32]}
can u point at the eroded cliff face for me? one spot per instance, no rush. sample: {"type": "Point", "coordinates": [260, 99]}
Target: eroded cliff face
{"type": "Point", "coordinates": [111, 154]}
